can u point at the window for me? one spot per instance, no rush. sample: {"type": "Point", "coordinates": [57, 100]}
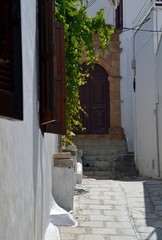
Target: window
{"type": "Point", "coordinates": [119, 15]}
{"type": "Point", "coordinates": [52, 70]}
{"type": "Point", "coordinates": [11, 97]}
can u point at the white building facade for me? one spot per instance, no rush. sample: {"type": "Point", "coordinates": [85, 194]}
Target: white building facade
{"type": "Point", "coordinates": [130, 10]}
{"type": "Point", "coordinates": [147, 95]}
{"type": "Point", "coordinates": [25, 150]}
{"type": "Point", "coordinates": [140, 85]}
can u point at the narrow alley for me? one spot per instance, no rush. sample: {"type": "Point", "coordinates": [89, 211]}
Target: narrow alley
{"type": "Point", "coordinates": [116, 210]}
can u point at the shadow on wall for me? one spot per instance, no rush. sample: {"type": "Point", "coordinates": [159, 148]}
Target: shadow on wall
{"type": "Point", "coordinates": [153, 209]}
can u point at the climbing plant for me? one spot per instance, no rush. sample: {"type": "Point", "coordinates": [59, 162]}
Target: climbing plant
{"type": "Point", "coordinates": [79, 30]}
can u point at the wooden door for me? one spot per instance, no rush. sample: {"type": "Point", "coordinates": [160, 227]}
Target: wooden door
{"type": "Point", "coordinates": [94, 97]}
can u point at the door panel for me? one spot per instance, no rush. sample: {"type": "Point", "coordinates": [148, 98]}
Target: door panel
{"type": "Point", "coordinates": [94, 97]}
{"type": "Point", "coordinates": [84, 99]}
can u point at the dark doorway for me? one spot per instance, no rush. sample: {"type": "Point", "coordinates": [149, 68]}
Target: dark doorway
{"type": "Point", "coordinates": [95, 100]}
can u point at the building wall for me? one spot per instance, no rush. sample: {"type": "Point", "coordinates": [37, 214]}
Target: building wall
{"type": "Point", "coordinates": [25, 153]}
{"type": "Point", "coordinates": [146, 155]}
{"type": "Point", "coordinates": [147, 105]}
{"type": "Point", "coordinates": [130, 10]}
{"type": "Point", "coordinates": [158, 74]}
{"type": "Point", "coordinates": [110, 61]}
{"type": "Point", "coordinates": [109, 12]}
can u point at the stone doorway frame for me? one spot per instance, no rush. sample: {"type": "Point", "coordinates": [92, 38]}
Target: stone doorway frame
{"type": "Point", "coordinates": [110, 61]}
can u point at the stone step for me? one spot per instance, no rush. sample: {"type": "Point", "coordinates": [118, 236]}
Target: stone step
{"type": "Point", "coordinates": [100, 158]}
{"type": "Point", "coordinates": [102, 151]}
{"type": "Point", "coordinates": [111, 174]}
{"type": "Point", "coordinates": [105, 158]}
{"type": "Point", "coordinates": [108, 144]}
{"type": "Point", "coordinates": [107, 174]}
{"type": "Point", "coordinates": [87, 169]}
{"type": "Point", "coordinates": [98, 164]}
{"type": "Point", "coordinates": [102, 164]}
{"type": "Point", "coordinates": [109, 168]}
{"type": "Point", "coordinates": [97, 140]}
{"type": "Point", "coordinates": [122, 166]}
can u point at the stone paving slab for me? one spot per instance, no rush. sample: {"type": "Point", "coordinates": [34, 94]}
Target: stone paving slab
{"type": "Point", "coordinates": [116, 210]}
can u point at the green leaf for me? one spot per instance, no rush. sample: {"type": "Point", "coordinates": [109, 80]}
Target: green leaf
{"type": "Point", "coordinates": [79, 31]}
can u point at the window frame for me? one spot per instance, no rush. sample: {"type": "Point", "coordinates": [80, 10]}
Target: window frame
{"type": "Point", "coordinates": [11, 86]}
{"type": "Point", "coordinates": [52, 70]}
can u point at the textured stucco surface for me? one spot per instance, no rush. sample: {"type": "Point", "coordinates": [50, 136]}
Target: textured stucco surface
{"type": "Point", "coordinates": [25, 154]}
{"type": "Point", "coordinates": [159, 74]}
{"type": "Point", "coordinates": [148, 98]}
{"type": "Point", "coordinates": [130, 10]}
{"type": "Point", "coordinates": [63, 184]}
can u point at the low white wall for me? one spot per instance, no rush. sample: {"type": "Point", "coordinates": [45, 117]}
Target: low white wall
{"type": "Point", "coordinates": [63, 184]}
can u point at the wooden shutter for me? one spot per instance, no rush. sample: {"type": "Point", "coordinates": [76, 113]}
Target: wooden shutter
{"type": "Point", "coordinates": [11, 102]}
{"type": "Point", "coordinates": [59, 125]}
{"type": "Point", "coordinates": [46, 46]}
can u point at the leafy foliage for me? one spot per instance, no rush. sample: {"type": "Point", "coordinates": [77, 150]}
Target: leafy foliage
{"type": "Point", "coordinates": [79, 32]}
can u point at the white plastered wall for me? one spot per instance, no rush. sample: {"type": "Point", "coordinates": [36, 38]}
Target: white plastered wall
{"type": "Point", "coordinates": [25, 154]}
{"type": "Point", "coordinates": [159, 88]}
{"type": "Point", "coordinates": [146, 98]}
{"type": "Point", "coordinates": [130, 10]}
{"type": "Point", "coordinates": [109, 12]}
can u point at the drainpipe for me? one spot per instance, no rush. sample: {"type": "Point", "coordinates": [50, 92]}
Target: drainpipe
{"type": "Point", "coordinates": [134, 88]}
{"type": "Point", "coordinates": [156, 111]}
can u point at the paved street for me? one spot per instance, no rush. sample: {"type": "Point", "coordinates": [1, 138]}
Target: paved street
{"type": "Point", "coordinates": [117, 210]}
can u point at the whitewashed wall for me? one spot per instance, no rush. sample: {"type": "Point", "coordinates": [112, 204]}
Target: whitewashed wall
{"type": "Point", "coordinates": [147, 105]}
{"type": "Point", "coordinates": [146, 154]}
{"type": "Point", "coordinates": [130, 10]}
{"type": "Point", "coordinates": [159, 82]}
{"type": "Point", "coordinates": [108, 8]}
{"type": "Point", "coordinates": [158, 75]}
{"type": "Point", "coordinates": [142, 126]}
{"type": "Point", "coordinates": [25, 154]}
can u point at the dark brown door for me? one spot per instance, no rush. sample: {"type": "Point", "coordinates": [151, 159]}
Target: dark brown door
{"type": "Point", "coordinates": [94, 97]}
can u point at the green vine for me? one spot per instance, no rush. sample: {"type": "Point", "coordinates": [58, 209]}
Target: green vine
{"type": "Point", "coordinates": [79, 31]}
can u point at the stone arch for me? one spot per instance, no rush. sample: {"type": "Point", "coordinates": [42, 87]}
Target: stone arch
{"type": "Point", "coordinates": [103, 64]}
{"type": "Point", "coordinates": [110, 62]}
{"type": "Point", "coordinates": [106, 65]}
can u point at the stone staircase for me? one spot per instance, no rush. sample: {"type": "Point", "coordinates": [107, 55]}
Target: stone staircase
{"type": "Point", "coordinates": [105, 158]}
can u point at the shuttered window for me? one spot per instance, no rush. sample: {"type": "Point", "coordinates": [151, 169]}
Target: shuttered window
{"type": "Point", "coordinates": [11, 103]}
{"type": "Point", "coordinates": [46, 44]}
{"type": "Point", "coordinates": [52, 70]}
